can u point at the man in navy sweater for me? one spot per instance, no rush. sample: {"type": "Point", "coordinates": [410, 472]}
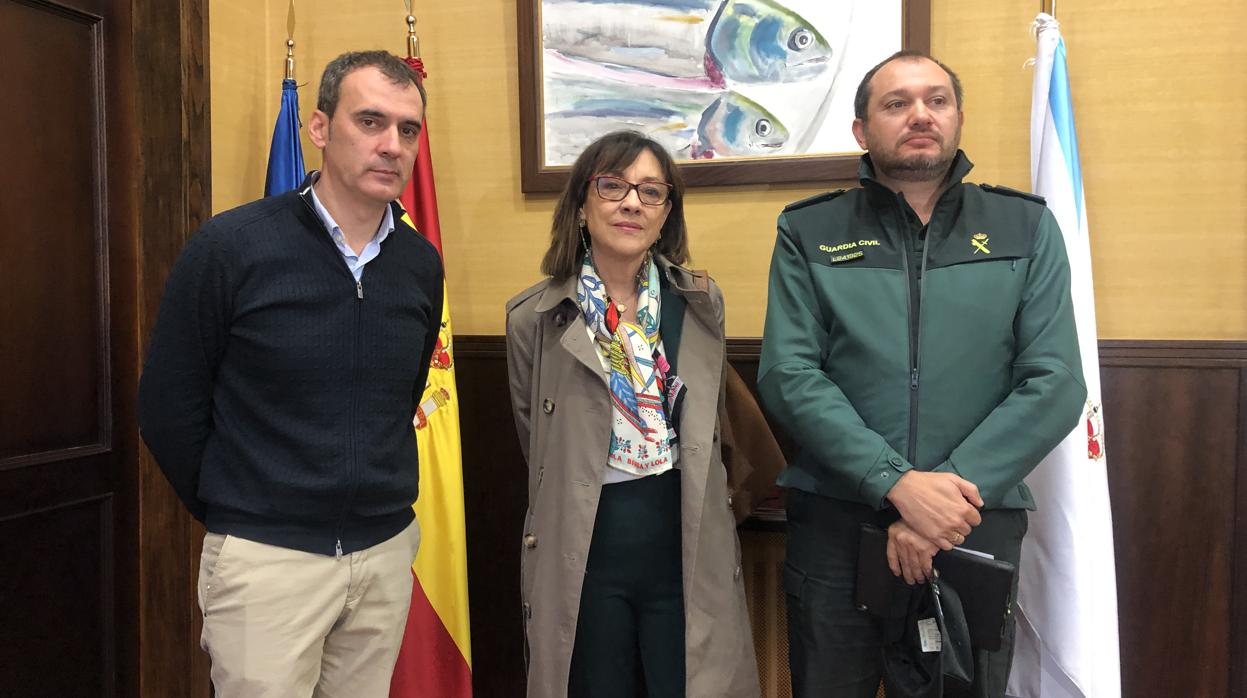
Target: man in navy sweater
{"type": "Point", "coordinates": [289, 356]}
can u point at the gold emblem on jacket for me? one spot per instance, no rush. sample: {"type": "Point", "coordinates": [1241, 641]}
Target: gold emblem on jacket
{"type": "Point", "coordinates": [979, 241]}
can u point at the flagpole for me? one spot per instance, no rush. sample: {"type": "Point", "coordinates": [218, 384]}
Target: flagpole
{"type": "Point", "coordinates": [413, 42]}
{"type": "Point", "coordinates": [289, 59]}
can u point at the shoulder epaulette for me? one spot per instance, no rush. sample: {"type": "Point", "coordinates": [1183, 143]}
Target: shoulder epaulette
{"type": "Point", "coordinates": [526, 294]}
{"type": "Point", "coordinates": [816, 199]}
{"type": "Point", "coordinates": [1006, 191]}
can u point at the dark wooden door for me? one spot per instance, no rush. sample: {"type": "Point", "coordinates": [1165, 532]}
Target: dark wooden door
{"type": "Point", "coordinates": [90, 539]}
{"type": "Point", "coordinates": [67, 346]}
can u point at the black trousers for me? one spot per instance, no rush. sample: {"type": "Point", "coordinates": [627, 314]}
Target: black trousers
{"type": "Point", "coordinates": [835, 650]}
{"type": "Point", "coordinates": [633, 595]}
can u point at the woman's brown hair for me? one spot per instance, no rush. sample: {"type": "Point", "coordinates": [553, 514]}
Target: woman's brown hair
{"type": "Point", "coordinates": [612, 154]}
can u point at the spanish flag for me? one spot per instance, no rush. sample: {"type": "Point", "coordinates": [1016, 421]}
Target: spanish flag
{"type": "Point", "coordinates": [435, 658]}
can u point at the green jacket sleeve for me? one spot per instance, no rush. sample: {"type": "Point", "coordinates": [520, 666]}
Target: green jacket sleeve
{"type": "Point", "coordinates": [1048, 389]}
{"type": "Point", "coordinates": [850, 459]}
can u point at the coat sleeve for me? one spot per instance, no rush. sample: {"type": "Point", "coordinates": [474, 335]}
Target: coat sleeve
{"type": "Point", "coordinates": [1048, 388]}
{"type": "Point", "coordinates": [845, 455]}
{"type": "Point", "coordinates": [175, 391]}
{"type": "Point", "coordinates": [521, 332]}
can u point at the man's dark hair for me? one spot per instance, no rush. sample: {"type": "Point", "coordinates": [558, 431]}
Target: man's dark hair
{"type": "Point", "coordinates": [391, 66]}
{"type": "Point", "coordinates": [863, 88]}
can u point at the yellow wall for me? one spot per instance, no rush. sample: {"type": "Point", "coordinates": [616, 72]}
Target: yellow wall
{"type": "Point", "coordinates": [1158, 90]}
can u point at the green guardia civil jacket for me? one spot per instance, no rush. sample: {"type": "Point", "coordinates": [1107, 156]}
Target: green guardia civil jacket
{"type": "Point", "coordinates": [886, 350]}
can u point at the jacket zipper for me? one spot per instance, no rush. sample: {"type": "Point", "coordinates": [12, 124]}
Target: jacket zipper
{"type": "Point", "coordinates": [354, 471]}
{"type": "Point", "coordinates": [913, 304]}
{"type": "Point", "coordinates": [913, 374]}
{"type": "Point", "coordinates": [354, 465]}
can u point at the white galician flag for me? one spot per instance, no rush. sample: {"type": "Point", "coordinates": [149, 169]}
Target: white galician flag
{"type": "Point", "coordinates": [1067, 621]}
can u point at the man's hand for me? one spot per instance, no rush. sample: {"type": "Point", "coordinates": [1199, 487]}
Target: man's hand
{"type": "Point", "coordinates": [940, 507]}
{"type": "Point", "coordinates": [909, 554]}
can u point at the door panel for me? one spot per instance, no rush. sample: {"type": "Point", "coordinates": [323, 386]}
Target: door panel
{"type": "Point", "coordinates": [59, 464]}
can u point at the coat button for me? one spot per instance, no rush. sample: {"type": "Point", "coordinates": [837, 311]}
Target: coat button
{"type": "Point", "coordinates": [729, 501]}
{"type": "Point", "coordinates": [530, 541]}
{"type": "Point", "coordinates": [547, 406]}
{"type": "Point", "coordinates": [736, 574]}
{"type": "Point", "coordinates": [560, 319]}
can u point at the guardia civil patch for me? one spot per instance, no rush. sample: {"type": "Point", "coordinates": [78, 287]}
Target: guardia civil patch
{"type": "Point", "coordinates": [979, 242]}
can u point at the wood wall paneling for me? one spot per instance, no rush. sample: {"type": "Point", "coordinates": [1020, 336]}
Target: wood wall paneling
{"type": "Point", "coordinates": [173, 127]}
{"type": "Point", "coordinates": [495, 498]}
{"type": "Point", "coordinates": [1176, 429]}
{"type": "Point", "coordinates": [1174, 418]}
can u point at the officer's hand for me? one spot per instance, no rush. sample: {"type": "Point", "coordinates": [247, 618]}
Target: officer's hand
{"type": "Point", "coordinates": [940, 507]}
{"type": "Point", "coordinates": [909, 554]}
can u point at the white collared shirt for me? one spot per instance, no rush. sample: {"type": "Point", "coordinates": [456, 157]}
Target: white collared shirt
{"type": "Point", "coordinates": [355, 262]}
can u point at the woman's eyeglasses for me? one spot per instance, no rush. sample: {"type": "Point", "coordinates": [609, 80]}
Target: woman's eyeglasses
{"type": "Point", "coordinates": [616, 189]}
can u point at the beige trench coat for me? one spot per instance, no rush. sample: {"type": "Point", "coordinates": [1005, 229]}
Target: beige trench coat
{"type": "Point", "coordinates": [562, 412]}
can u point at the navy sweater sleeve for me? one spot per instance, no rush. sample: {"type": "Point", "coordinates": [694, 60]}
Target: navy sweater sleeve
{"type": "Point", "coordinates": [175, 391]}
{"type": "Point", "coordinates": [430, 340]}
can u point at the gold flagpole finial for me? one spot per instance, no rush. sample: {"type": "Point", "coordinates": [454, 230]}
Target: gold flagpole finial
{"type": "Point", "coordinates": [413, 43]}
{"type": "Point", "coordinates": [289, 59]}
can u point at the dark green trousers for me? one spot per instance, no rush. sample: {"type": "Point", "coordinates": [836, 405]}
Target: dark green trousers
{"type": "Point", "coordinates": [632, 600]}
{"type": "Point", "coordinates": [835, 650]}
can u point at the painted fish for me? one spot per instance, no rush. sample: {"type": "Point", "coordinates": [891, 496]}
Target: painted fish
{"type": "Point", "coordinates": [748, 41]}
{"type": "Point", "coordinates": [736, 125]}
{"type": "Point", "coordinates": [691, 123]}
{"type": "Point", "coordinates": [761, 41]}
{"type": "Point", "coordinates": [665, 38]}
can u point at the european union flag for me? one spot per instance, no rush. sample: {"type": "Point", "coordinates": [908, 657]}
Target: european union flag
{"type": "Point", "coordinates": [285, 156]}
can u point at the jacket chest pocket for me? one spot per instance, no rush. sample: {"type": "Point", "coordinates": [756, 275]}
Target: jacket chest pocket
{"type": "Point", "coordinates": [980, 296]}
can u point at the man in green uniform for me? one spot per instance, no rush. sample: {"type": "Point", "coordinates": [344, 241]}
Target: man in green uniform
{"type": "Point", "coordinates": [920, 348]}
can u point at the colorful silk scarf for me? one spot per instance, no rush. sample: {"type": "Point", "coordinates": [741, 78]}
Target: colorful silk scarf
{"type": "Point", "coordinates": [641, 435]}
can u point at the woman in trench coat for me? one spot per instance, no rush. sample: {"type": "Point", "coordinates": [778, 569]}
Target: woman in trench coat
{"type": "Point", "coordinates": [616, 366]}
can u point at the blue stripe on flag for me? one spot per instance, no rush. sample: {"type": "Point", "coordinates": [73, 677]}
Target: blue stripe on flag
{"type": "Point", "coordinates": [1062, 107]}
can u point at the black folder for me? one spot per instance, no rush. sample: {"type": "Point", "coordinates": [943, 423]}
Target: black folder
{"type": "Point", "coordinates": [984, 585]}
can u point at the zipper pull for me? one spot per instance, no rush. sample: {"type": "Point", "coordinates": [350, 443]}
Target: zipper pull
{"type": "Point", "coordinates": [359, 289]}
{"type": "Point", "coordinates": [913, 379]}
{"type": "Point", "coordinates": [337, 550]}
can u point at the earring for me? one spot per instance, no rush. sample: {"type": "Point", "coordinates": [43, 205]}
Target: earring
{"type": "Point", "coordinates": [584, 238]}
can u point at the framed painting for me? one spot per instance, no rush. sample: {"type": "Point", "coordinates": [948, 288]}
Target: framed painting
{"type": "Point", "coordinates": [739, 91]}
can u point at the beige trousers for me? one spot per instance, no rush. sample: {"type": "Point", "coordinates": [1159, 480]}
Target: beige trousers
{"type": "Point", "coordinates": [280, 623]}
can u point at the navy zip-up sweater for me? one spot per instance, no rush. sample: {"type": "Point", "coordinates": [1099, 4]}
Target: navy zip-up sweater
{"type": "Point", "coordinates": [277, 394]}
